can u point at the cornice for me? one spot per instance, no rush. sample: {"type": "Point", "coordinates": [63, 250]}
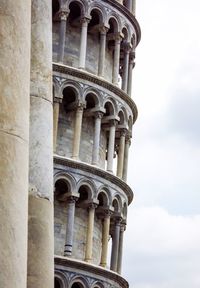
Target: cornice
{"type": "Point", "coordinates": [96, 171]}
{"type": "Point", "coordinates": [128, 15]}
{"type": "Point", "coordinates": [91, 268]}
{"type": "Point", "coordinates": [57, 67]}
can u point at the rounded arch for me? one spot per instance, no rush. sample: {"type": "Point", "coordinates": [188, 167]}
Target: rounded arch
{"type": "Point", "coordinates": [91, 98]}
{"type": "Point", "coordinates": [97, 284]}
{"type": "Point", "coordinates": [87, 186]}
{"type": "Point", "coordinates": [82, 4]}
{"type": "Point", "coordinates": [79, 282]}
{"type": "Point", "coordinates": [115, 204]}
{"type": "Point", "coordinates": [114, 23]}
{"type": "Point", "coordinates": [121, 117]}
{"type": "Point", "coordinates": [55, 7]}
{"type": "Point", "coordinates": [101, 9]}
{"type": "Point", "coordinates": [60, 280]}
{"type": "Point", "coordinates": [96, 15]}
{"type": "Point", "coordinates": [126, 34]}
{"type": "Point", "coordinates": [110, 107]}
{"type": "Point", "coordinates": [104, 196]}
{"type": "Point", "coordinates": [66, 178]}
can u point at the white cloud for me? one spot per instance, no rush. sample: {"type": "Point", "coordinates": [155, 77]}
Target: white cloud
{"type": "Point", "coordinates": [162, 250]}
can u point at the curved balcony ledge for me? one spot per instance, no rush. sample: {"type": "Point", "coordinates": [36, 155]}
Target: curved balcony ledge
{"type": "Point", "coordinates": [96, 172]}
{"type": "Point", "coordinates": [67, 264]}
{"type": "Point", "coordinates": [128, 15]}
{"type": "Point", "coordinates": [82, 74]}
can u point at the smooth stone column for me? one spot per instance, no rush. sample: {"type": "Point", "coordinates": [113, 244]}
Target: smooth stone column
{"type": "Point", "coordinates": [40, 224]}
{"type": "Point", "coordinates": [111, 146]}
{"type": "Point", "coordinates": [115, 246]}
{"type": "Point", "coordinates": [116, 60]}
{"type": "Point", "coordinates": [96, 142]}
{"type": "Point", "coordinates": [101, 66]}
{"type": "Point", "coordinates": [70, 226]}
{"type": "Point", "coordinates": [129, 5]}
{"type": "Point", "coordinates": [125, 69]}
{"type": "Point", "coordinates": [77, 132]}
{"type": "Point", "coordinates": [90, 229]}
{"type": "Point", "coordinates": [105, 238]}
{"type": "Point", "coordinates": [120, 253]}
{"type": "Point", "coordinates": [62, 34]}
{"type": "Point", "coordinates": [56, 108]}
{"type": "Point", "coordinates": [120, 162]}
{"type": "Point", "coordinates": [126, 152]}
{"type": "Point", "coordinates": [133, 6]}
{"type": "Point", "coordinates": [83, 43]}
{"type": "Point", "coordinates": [130, 73]}
{"type": "Point", "coordinates": [14, 140]}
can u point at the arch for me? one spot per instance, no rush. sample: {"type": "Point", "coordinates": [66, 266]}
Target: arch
{"type": "Point", "coordinates": [79, 282]}
{"type": "Point", "coordinates": [82, 4]}
{"type": "Point", "coordinates": [119, 199]}
{"type": "Point", "coordinates": [96, 17]}
{"type": "Point", "coordinates": [121, 117]}
{"type": "Point", "coordinates": [126, 34]}
{"type": "Point", "coordinates": [61, 279]}
{"type": "Point", "coordinates": [101, 10]}
{"type": "Point", "coordinates": [89, 186]}
{"type": "Point", "coordinates": [68, 179]}
{"type": "Point", "coordinates": [114, 23]}
{"type": "Point", "coordinates": [104, 196]}
{"type": "Point", "coordinates": [97, 284]}
{"type": "Point", "coordinates": [110, 108]}
{"type": "Point", "coordinates": [55, 7]}
{"type": "Point", "coordinates": [91, 99]}
{"type": "Point", "coordinates": [115, 204]}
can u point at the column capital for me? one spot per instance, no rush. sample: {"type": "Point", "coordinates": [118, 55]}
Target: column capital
{"type": "Point", "coordinates": [57, 100]}
{"type": "Point", "coordinates": [72, 199]}
{"type": "Point", "coordinates": [123, 132]}
{"type": "Point", "coordinates": [98, 114]}
{"type": "Point", "coordinates": [113, 122]}
{"type": "Point", "coordinates": [118, 37]}
{"type": "Point", "coordinates": [103, 30]}
{"type": "Point", "coordinates": [85, 21]}
{"type": "Point", "coordinates": [63, 14]}
{"type": "Point", "coordinates": [80, 106]}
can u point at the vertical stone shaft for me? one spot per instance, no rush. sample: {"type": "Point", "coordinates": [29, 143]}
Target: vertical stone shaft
{"type": "Point", "coordinates": [90, 228]}
{"type": "Point", "coordinates": [129, 5]}
{"type": "Point", "coordinates": [116, 60]}
{"type": "Point", "coordinates": [97, 132]}
{"type": "Point", "coordinates": [102, 51]}
{"type": "Point", "coordinates": [130, 74]}
{"type": "Point", "coordinates": [56, 108]}
{"type": "Point", "coordinates": [120, 162]}
{"type": "Point", "coordinates": [70, 226]}
{"type": "Point", "coordinates": [14, 139]}
{"type": "Point", "coordinates": [120, 253]}
{"type": "Point", "coordinates": [125, 70]}
{"type": "Point", "coordinates": [62, 33]}
{"type": "Point", "coordinates": [83, 44]}
{"type": "Point", "coordinates": [133, 6]}
{"type": "Point", "coordinates": [105, 237]}
{"type": "Point", "coordinates": [40, 225]}
{"type": "Point", "coordinates": [111, 147]}
{"type": "Point", "coordinates": [77, 132]}
{"type": "Point", "coordinates": [115, 247]}
{"type": "Point", "coordinates": [126, 152]}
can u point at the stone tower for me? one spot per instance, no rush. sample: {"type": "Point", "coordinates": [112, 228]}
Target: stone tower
{"type": "Point", "coordinates": [93, 57]}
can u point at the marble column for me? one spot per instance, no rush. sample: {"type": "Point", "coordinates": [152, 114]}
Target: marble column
{"type": "Point", "coordinates": [129, 5]}
{"type": "Point", "coordinates": [115, 246]}
{"type": "Point", "coordinates": [125, 69]}
{"type": "Point", "coordinates": [83, 43]}
{"type": "Point", "coordinates": [96, 141]}
{"type": "Point", "coordinates": [130, 73]}
{"type": "Point", "coordinates": [120, 253]}
{"type": "Point", "coordinates": [126, 152]}
{"type": "Point", "coordinates": [133, 7]}
{"type": "Point", "coordinates": [56, 108]}
{"type": "Point", "coordinates": [40, 223]}
{"type": "Point", "coordinates": [77, 132]}
{"type": "Point", "coordinates": [62, 34]}
{"type": "Point", "coordinates": [120, 162]}
{"type": "Point", "coordinates": [70, 226]}
{"type": "Point", "coordinates": [90, 229]}
{"type": "Point", "coordinates": [14, 140]}
{"type": "Point", "coordinates": [102, 51]}
{"type": "Point", "coordinates": [116, 60]}
{"type": "Point", "coordinates": [111, 146]}
{"type": "Point", "coordinates": [105, 238]}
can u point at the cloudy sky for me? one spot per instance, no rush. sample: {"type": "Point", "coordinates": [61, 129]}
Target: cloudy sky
{"type": "Point", "coordinates": [162, 241]}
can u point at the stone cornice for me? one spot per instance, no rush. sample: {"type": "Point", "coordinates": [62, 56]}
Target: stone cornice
{"type": "Point", "coordinates": [57, 67]}
{"type": "Point", "coordinates": [128, 15]}
{"type": "Point", "coordinates": [96, 171]}
{"type": "Point", "coordinates": [91, 268]}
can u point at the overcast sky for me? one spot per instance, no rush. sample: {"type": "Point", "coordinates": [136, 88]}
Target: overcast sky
{"type": "Point", "coordinates": [162, 241]}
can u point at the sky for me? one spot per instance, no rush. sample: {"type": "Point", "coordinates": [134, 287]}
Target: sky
{"type": "Point", "coordinates": [162, 239]}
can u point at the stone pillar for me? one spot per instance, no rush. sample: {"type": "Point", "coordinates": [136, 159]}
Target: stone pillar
{"type": "Point", "coordinates": [126, 152]}
{"type": "Point", "coordinates": [102, 50]}
{"type": "Point", "coordinates": [56, 108]}
{"type": "Point", "coordinates": [129, 5]}
{"type": "Point", "coordinates": [120, 253]}
{"type": "Point", "coordinates": [125, 69]}
{"type": "Point", "coordinates": [14, 140]}
{"type": "Point", "coordinates": [115, 246]}
{"type": "Point", "coordinates": [96, 141]}
{"type": "Point", "coordinates": [120, 162]}
{"type": "Point", "coordinates": [116, 60]}
{"type": "Point", "coordinates": [40, 224]}
{"type": "Point", "coordinates": [130, 73]}
{"type": "Point", "coordinates": [111, 146]}
{"type": "Point", "coordinates": [70, 226]}
{"type": "Point", "coordinates": [62, 33]}
{"type": "Point", "coordinates": [90, 229]}
{"type": "Point", "coordinates": [133, 7]}
{"type": "Point", "coordinates": [77, 132]}
{"type": "Point", "coordinates": [105, 238]}
{"type": "Point", "coordinates": [83, 43]}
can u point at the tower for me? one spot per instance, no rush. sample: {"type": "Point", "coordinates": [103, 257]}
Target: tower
{"type": "Point", "coordinates": [93, 56]}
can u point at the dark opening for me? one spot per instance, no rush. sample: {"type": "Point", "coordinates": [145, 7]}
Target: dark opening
{"type": "Point", "coordinates": [69, 97]}
{"type": "Point", "coordinates": [61, 187]}
{"type": "Point", "coordinates": [90, 101]}
{"type": "Point", "coordinates": [83, 190]}
{"type": "Point", "coordinates": [95, 19]}
{"type": "Point", "coordinates": [55, 7]}
{"type": "Point", "coordinates": [75, 12]}
{"type": "Point", "coordinates": [77, 285]}
{"type": "Point", "coordinates": [56, 283]}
